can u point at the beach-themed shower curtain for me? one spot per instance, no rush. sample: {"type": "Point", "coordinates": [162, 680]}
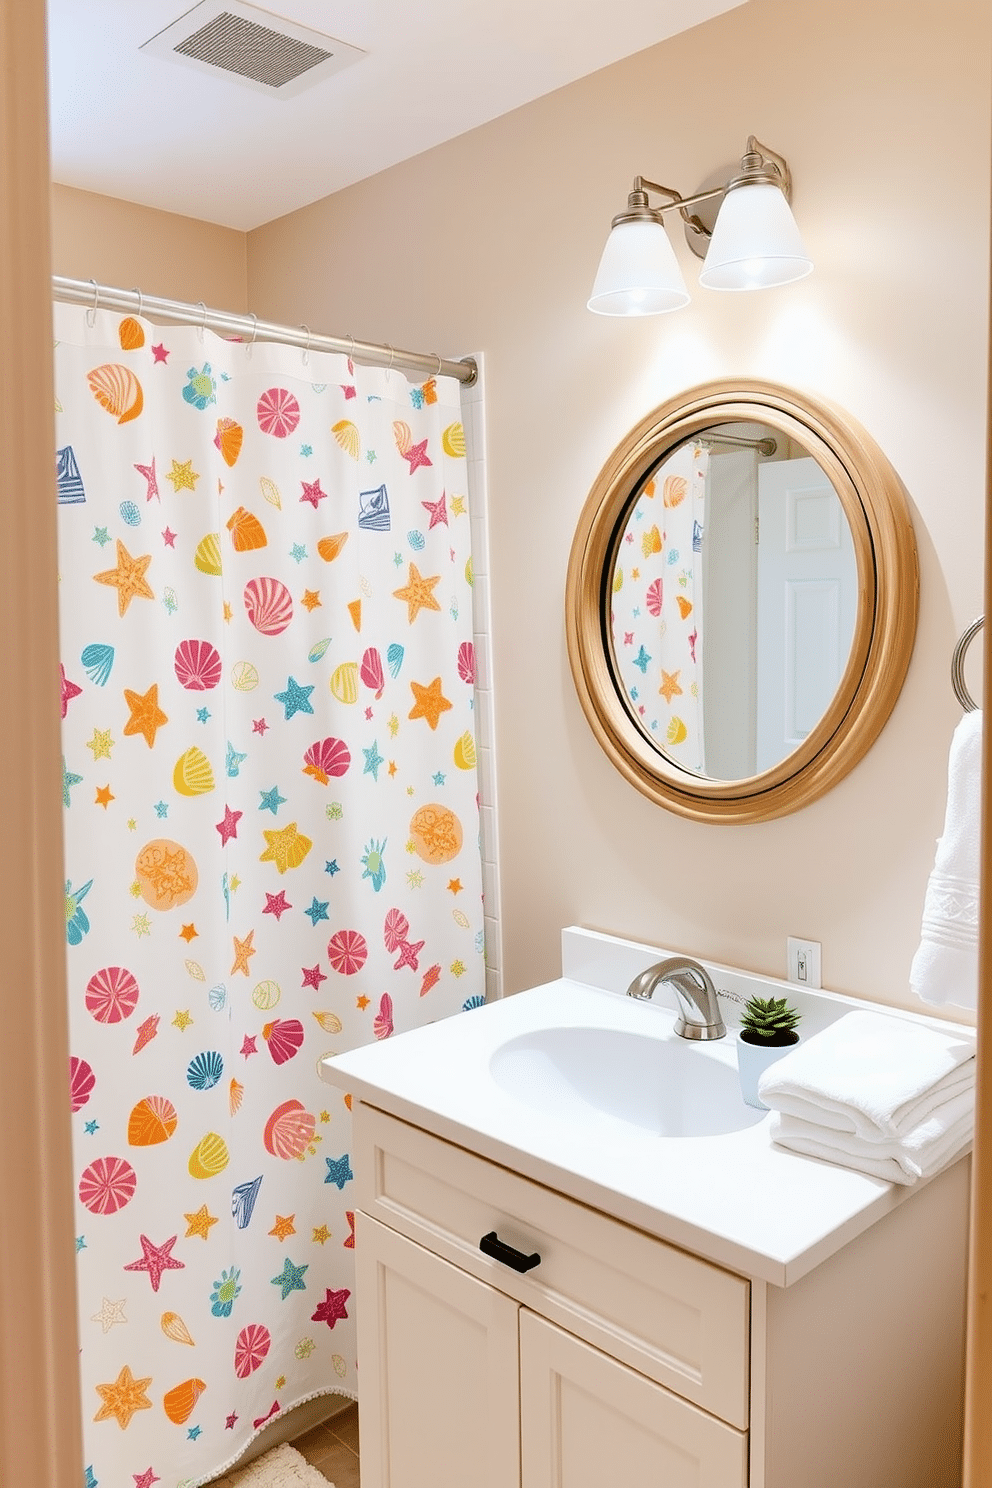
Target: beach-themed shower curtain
{"type": "Point", "coordinates": [271, 848]}
{"type": "Point", "coordinates": [657, 605]}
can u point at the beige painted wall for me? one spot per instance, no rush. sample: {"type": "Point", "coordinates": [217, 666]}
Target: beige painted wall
{"type": "Point", "coordinates": [489, 243]}
{"type": "Point", "coordinates": [127, 246]}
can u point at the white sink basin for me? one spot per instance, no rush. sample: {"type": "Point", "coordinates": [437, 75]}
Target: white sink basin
{"type": "Point", "coordinates": [666, 1086]}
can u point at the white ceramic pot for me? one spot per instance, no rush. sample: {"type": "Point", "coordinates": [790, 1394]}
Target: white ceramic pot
{"type": "Point", "coordinates": [752, 1059]}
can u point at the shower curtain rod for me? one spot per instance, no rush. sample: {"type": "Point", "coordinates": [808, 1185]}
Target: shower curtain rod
{"type": "Point", "coordinates": [249, 327]}
{"type": "Point", "coordinates": [765, 446]}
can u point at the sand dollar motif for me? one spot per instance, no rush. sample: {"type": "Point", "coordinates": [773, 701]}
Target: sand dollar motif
{"type": "Point", "coordinates": [166, 873]}
{"type": "Point", "coordinates": [436, 833]}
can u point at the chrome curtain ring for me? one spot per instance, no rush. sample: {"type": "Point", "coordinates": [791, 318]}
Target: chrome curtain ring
{"type": "Point", "coordinates": [203, 321]}
{"type": "Point", "coordinates": [306, 349]}
{"type": "Point", "coordinates": [137, 292]}
{"type": "Point", "coordinates": [91, 312]}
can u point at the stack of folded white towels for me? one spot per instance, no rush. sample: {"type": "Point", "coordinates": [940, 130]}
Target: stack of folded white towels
{"type": "Point", "coordinates": [875, 1093]}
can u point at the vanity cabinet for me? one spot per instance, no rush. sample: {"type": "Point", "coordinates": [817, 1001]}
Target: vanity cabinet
{"type": "Point", "coordinates": [623, 1358]}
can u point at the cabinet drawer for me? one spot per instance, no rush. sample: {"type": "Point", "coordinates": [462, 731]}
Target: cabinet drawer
{"type": "Point", "coordinates": [675, 1318]}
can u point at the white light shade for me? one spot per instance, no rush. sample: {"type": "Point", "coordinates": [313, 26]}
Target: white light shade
{"type": "Point", "coordinates": [755, 243]}
{"type": "Point", "coordinates": [638, 272]}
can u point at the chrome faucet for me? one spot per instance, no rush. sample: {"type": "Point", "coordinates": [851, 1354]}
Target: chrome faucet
{"type": "Point", "coordinates": [699, 1011]}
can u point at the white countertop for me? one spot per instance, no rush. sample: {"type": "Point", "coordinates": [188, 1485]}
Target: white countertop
{"type": "Point", "coordinates": [735, 1199]}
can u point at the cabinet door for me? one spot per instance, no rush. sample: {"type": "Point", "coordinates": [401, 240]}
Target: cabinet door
{"type": "Point", "coordinates": [586, 1421]}
{"type": "Point", "coordinates": [438, 1370]}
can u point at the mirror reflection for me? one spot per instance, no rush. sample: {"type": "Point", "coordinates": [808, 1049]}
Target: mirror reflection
{"type": "Point", "coordinates": [733, 600]}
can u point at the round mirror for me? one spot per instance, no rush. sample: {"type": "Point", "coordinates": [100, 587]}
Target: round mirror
{"type": "Point", "coordinates": [741, 601]}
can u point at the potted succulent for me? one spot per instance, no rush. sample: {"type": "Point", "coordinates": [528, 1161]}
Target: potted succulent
{"type": "Point", "coordinates": [768, 1030]}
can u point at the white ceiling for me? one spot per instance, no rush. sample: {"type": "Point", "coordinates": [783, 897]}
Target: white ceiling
{"type": "Point", "coordinates": [159, 133]}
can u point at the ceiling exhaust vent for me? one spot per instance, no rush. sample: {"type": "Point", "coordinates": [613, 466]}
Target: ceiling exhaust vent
{"type": "Point", "coordinates": [246, 45]}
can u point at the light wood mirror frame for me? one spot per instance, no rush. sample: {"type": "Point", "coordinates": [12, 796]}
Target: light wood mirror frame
{"type": "Point", "coordinates": [877, 510]}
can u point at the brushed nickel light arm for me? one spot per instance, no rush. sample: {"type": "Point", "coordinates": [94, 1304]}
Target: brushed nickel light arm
{"type": "Point", "coordinates": [760, 165]}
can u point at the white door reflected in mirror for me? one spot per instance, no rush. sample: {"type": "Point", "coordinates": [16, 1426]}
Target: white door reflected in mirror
{"type": "Point", "coordinates": [734, 601]}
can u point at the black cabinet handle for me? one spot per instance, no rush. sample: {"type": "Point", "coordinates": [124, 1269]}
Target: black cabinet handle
{"type": "Point", "coordinates": [492, 1245]}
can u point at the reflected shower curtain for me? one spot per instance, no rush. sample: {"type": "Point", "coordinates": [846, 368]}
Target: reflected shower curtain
{"type": "Point", "coordinates": [271, 828]}
{"type": "Point", "coordinates": [657, 607]}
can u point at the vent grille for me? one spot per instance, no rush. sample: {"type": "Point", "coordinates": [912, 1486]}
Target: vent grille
{"type": "Point", "coordinates": [253, 51]}
{"type": "Point", "coordinates": [239, 43]}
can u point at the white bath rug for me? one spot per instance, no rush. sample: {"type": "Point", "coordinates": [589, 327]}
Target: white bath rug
{"type": "Point", "coordinates": [283, 1467]}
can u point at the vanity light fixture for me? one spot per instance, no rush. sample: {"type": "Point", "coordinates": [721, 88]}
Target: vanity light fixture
{"type": "Point", "coordinates": [754, 244]}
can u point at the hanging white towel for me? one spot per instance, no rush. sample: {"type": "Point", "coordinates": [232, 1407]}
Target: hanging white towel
{"type": "Point", "coordinates": [921, 1151]}
{"type": "Point", "coordinates": [870, 1075]}
{"type": "Point", "coordinates": [945, 967]}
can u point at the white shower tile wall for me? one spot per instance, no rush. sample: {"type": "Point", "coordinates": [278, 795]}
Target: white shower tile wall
{"type": "Point", "coordinates": [473, 417]}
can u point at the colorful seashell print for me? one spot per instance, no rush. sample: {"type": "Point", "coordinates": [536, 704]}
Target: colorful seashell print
{"type": "Point", "coordinates": [318, 650]}
{"type": "Point", "coordinates": [98, 661]}
{"type": "Point", "coordinates": [81, 1082]}
{"type": "Point", "coordinates": [266, 996]}
{"type": "Point", "coordinates": [173, 1327]}
{"type": "Point", "coordinates": [677, 731]}
{"type": "Point", "coordinates": [180, 1402]}
{"type": "Point", "coordinates": [355, 611]}
{"type": "Point", "coordinates": [244, 677]}
{"type": "Point", "coordinates": [131, 334]}
{"type": "Point", "coordinates": [382, 1023]}
{"type": "Point", "coordinates": [217, 997]}
{"type": "Point", "coordinates": [373, 510]}
{"type": "Point", "coordinates": [284, 1037]}
{"type": "Point", "coordinates": [112, 994]}
{"type": "Point", "coordinates": [130, 513]}
{"type": "Point", "coordinates": [207, 556]}
{"type": "Point", "coordinates": [371, 672]}
{"type": "Point", "coordinates": [330, 547]}
{"type": "Point", "coordinates": [436, 833]}
{"type": "Point", "coordinates": [464, 752]}
{"type": "Point", "coordinates": [247, 532]}
{"type": "Point", "coordinates": [394, 659]}
{"type": "Point", "coordinates": [289, 1130]}
{"type": "Point", "coordinates": [430, 979]}
{"type": "Point", "coordinates": [243, 1199]}
{"type": "Point", "coordinates": [327, 758]}
{"type": "Point", "coordinates": [685, 606]}
{"type": "Point", "coordinates": [347, 951]}
{"type": "Point", "coordinates": [250, 1349]}
{"type": "Point", "coordinates": [209, 1157]}
{"type": "Point", "coordinates": [269, 605]}
{"type": "Point", "coordinates": [673, 492]}
{"type": "Point", "coordinates": [329, 1022]}
{"type": "Point", "coordinates": [395, 930]}
{"type": "Point", "coordinates": [344, 682]}
{"type": "Point", "coordinates": [278, 412]}
{"type": "Point", "coordinates": [347, 435]}
{"type": "Point", "coordinates": [197, 665]}
{"type": "Point", "coordinates": [152, 1120]}
{"type": "Point", "coordinates": [204, 1070]}
{"type": "Point", "coordinates": [229, 439]}
{"type": "Point", "coordinates": [68, 481]}
{"type": "Point", "coordinates": [166, 873]}
{"type": "Point", "coordinates": [270, 492]}
{"type": "Point", "coordinates": [193, 775]}
{"type": "Point", "coordinates": [466, 662]}
{"type": "Point", "coordinates": [116, 389]}
{"type": "Point", "coordinates": [235, 1095]}
{"type": "Point", "coordinates": [107, 1185]}
{"type": "Point", "coordinates": [453, 441]}
{"type": "Point", "coordinates": [654, 598]}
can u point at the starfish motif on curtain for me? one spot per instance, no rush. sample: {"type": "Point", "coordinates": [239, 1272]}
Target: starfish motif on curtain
{"type": "Point", "coordinates": [156, 1259]}
{"type": "Point", "coordinates": [128, 578]}
{"type": "Point", "coordinates": [418, 593]}
{"type": "Point", "coordinates": [332, 1309]}
{"type": "Point", "coordinates": [146, 715]}
{"type": "Point", "coordinates": [123, 1397]}
{"type": "Point", "coordinates": [429, 703]}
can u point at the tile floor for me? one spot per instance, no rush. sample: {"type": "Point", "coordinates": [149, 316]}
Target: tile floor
{"type": "Point", "coordinates": [332, 1449]}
